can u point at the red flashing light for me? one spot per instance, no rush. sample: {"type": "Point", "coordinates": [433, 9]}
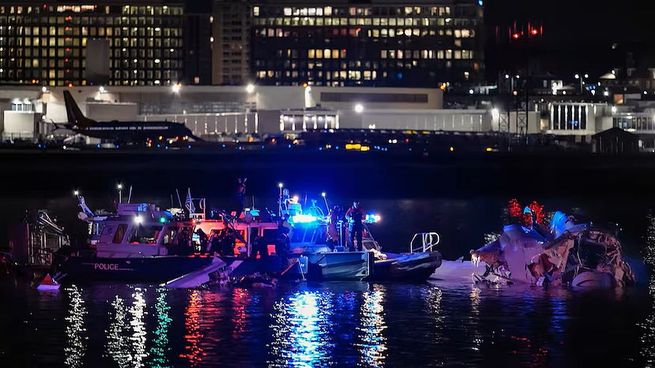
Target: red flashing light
{"type": "Point", "coordinates": [534, 32]}
{"type": "Point", "coordinates": [516, 36]}
{"type": "Point", "coordinates": [514, 208]}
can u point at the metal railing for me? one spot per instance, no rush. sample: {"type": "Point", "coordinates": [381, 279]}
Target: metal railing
{"type": "Point", "coordinates": [428, 241]}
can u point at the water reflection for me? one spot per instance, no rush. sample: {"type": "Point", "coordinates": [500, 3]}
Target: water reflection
{"type": "Point", "coordinates": [433, 297]}
{"type": "Point", "coordinates": [301, 330]}
{"type": "Point", "coordinates": [160, 346]}
{"type": "Point", "coordinates": [126, 337]}
{"type": "Point", "coordinates": [372, 346]}
{"type": "Point", "coordinates": [76, 338]}
{"type": "Point", "coordinates": [474, 319]}
{"type": "Point", "coordinates": [648, 326]}
{"type": "Point", "coordinates": [240, 301]}
{"type": "Point", "coordinates": [193, 350]}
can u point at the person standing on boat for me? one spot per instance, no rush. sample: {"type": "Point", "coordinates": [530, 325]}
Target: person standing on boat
{"type": "Point", "coordinates": [334, 222]}
{"type": "Point", "coordinates": [203, 239]}
{"type": "Point", "coordinates": [283, 245]}
{"type": "Point", "coordinates": [355, 215]}
{"type": "Point", "coordinates": [240, 195]}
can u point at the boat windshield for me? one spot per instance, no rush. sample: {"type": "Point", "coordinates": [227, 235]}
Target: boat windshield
{"type": "Point", "coordinates": [145, 234]}
{"type": "Point", "coordinates": [120, 233]}
{"type": "Point", "coordinates": [169, 235]}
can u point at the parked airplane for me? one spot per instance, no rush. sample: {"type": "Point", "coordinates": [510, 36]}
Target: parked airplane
{"type": "Point", "coordinates": [121, 131]}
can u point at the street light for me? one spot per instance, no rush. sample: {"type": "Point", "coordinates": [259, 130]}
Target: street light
{"type": "Point", "coordinates": [102, 89]}
{"type": "Point", "coordinates": [324, 195]}
{"type": "Point", "coordinates": [250, 88]}
{"type": "Point", "coordinates": [76, 192]}
{"type": "Point", "coordinates": [279, 200]}
{"type": "Point", "coordinates": [176, 88]}
{"type": "Point", "coordinates": [120, 192]}
{"type": "Point", "coordinates": [359, 108]}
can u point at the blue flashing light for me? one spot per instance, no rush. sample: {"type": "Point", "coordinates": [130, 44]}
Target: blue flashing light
{"type": "Point", "coordinates": [303, 219]}
{"type": "Point", "coordinates": [373, 218]}
{"type": "Point", "coordinates": [162, 220]}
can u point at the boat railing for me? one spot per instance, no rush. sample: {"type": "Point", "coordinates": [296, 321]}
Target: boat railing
{"type": "Point", "coordinates": [198, 206]}
{"type": "Point", "coordinates": [428, 241]}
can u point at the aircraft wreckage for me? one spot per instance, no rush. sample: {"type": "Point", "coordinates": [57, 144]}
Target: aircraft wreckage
{"type": "Point", "coordinates": [561, 251]}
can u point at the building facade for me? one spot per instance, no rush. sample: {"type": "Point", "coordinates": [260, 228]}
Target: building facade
{"type": "Point", "coordinates": [415, 43]}
{"type": "Point", "coordinates": [231, 43]}
{"type": "Point", "coordinates": [66, 43]}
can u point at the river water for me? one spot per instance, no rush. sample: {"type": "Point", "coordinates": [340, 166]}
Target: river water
{"type": "Point", "coordinates": [438, 324]}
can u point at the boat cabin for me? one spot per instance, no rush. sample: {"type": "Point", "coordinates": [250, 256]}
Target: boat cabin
{"type": "Point", "coordinates": [141, 230]}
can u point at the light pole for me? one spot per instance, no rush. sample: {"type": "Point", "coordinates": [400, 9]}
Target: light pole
{"type": "Point", "coordinates": [579, 77]}
{"type": "Point", "coordinates": [279, 201]}
{"type": "Point", "coordinates": [324, 195]}
{"type": "Point", "coordinates": [120, 192]}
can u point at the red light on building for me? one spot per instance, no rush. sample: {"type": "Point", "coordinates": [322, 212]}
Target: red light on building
{"type": "Point", "coordinates": [516, 36]}
{"type": "Point", "coordinates": [534, 32]}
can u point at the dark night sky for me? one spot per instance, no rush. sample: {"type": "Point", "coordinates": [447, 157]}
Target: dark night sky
{"type": "Point", "coordinates": [578, 34]}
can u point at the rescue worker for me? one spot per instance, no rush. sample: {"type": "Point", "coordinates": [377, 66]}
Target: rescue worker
{"type": "Point", "coordinates": [214, 241]}
{"type": "Point", "coordinates": [333, 233]}
{"type": "Point", "coordinates": [282, 244]}
{"type": "Point", "coordinates": [203, 239]}
{"type": "Point", "coordinates": [259, 247]}
{"type": "Point", "coordinates": [240, 196]}
{"type": "Point", "coordinates": [355, 215]}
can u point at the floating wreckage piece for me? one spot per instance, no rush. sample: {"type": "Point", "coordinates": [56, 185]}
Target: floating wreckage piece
{"type": "Point", "coordinates": [199, 277]}
{"type": "Point", "coordinates": [48, 284]}
{"type": "Point", "coordinates": [566, 253]}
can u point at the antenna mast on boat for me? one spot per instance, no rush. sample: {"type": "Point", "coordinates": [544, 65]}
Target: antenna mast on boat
{"type": "Point", "coordinates": [179, 201]}
{"type": "Point", "coordinates": [129, 196]}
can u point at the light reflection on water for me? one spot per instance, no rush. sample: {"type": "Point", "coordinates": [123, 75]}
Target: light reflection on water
{"type": "Point", "coordinates": [193, 350]}
{"type": "Point", "coordinates": [476, 337]}
{"type": "Point", "coordinates": [648, 326]}
{"type": "Point", "coordinates": [435, 324]}
{"type": "Point", "coordinates": [161, 346]}
{"type": "Point", "coordinates": [301, 330]}
{"type": "Point", "coordinates": [372, 347]}
{"type": "Point", "coordinates": [127, 334]}
{"type": "Point", "coordinates": [76, 338]}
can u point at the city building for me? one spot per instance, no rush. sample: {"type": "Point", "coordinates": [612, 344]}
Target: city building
{"type": "Point", "coordinates": [415, 43]}
{"type": "Point", "coordinates": [231, 43]}
{"type": "Point", "coordinates": [107, 42]}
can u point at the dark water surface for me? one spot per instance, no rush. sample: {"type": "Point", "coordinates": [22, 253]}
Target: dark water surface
{"type": "Point", "coordinates": [330, 324]}
{"type": "Point", "coordinates": [442, 323]}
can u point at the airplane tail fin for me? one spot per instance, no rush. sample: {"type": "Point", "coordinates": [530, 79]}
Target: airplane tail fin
{"type": "Point", "coordinates": [73, 111]}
